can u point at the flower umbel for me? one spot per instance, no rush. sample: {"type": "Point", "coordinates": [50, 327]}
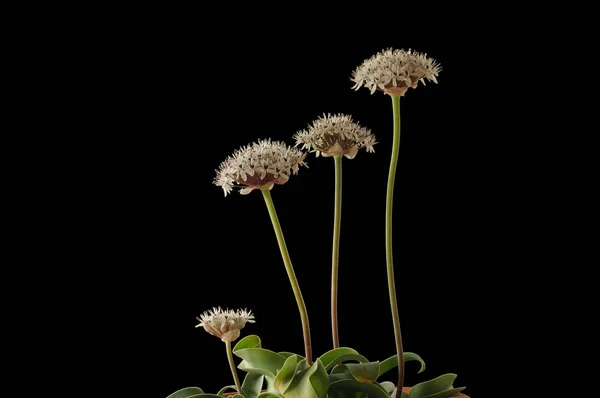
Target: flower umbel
{"type": "Point", "coordinates": [394, 71]}
{"type": "Point", "coordinates": [336, 135]}
{"type": "Point", "coordinates": [225, 324]}
{"type": "Point", "coordinates": [258, 165]}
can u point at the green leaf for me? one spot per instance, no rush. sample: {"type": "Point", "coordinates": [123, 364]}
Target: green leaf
{"type": "Point", "coordinates": [207, 396]}
{"type": "Point", "coordinates": [434, 386]}
{"type": "Point", "coordinates": [224, 389]}
{"type": "Point", "coordinates": [284, 378]}
{"type": "Point", "coordinates": [289, 354]}
{"type": "Point", "coordinates": [338, 355]}
{"type": "Point", "coordinates": [186, 392]}
{"type": "Point", "coordinates": [269, 394]}
{"type": "Point", "coordinates": [388, 386]}
{"type": "Point", "coordinates": [364, 372]}
{"type": "Point", "coordinates": [446, 394]}
{"type": "Point", "coordinates": [403, 395]}
{"type": "Point", "coordinates": [309, 383]}
{"type": "Point", "coordinates": [252, 341]}
{"type": "Point", "coordinates": [252, 384]}
{"type": "Point", "coordinates": [374, 390]}
{"type": "Point", "coordinates": [392, 362]}
{"type": "Point", "coordinates": [260, 360]}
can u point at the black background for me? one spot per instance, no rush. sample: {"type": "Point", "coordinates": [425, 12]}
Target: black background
{"type": "Point", "coordinates": [169, 246]}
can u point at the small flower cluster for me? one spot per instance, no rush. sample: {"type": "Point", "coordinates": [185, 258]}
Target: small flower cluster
{"type": "Point", "coordinates": [258, 165]}
{"type": "Point", "coordinates": [394, 71]}
{"type": "Point", "coordinates": [333, 135]}
{"type": "Point", "coordinates": [225, 324]}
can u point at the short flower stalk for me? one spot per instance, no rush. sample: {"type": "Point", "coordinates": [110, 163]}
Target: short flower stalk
{"type": "Point", "coordinates": [226, 324]}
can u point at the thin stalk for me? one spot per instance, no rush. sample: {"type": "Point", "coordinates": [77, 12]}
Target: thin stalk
{"type": "Point", "coordinates": [335, 257]}
{"type": "Point", "coordinates": [388, 240]}
{"type": "Point", "coordinates": [232, 366]}
{"type": "Point", "coordinates": [290, 271]}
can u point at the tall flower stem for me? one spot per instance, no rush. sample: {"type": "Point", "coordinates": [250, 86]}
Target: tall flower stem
{"type": "Point", "coordinates": [232, 366]}
{"type": "Point", "coordinates": [335, 257]}
{"type": "Point", "coordinates": [290, 271]}
{"type": "Point", "coordinates": [388, 240]}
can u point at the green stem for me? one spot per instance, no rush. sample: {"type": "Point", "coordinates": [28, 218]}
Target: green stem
{"type": "Point", "coordinates": [232, 366]}
{"type": "Point", "coordinates": [388, 240]}
{"type": "Point", "coordinates": [335, 257]}
{"type": "Point", "coordinates": [290, 271]}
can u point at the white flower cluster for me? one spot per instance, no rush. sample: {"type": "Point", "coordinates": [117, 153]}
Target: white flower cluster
{"type": "Point", "coordinates": [333, 135]}
{"type": "Point", "coordinates": [225, 324]}
{"type": "Point", "coordinates": [395, 68]}
{"type": "Point", "coordinates": [260, 164]}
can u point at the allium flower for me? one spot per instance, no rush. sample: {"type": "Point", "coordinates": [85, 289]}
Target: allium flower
{"type": "Point", "coordinates": [332, 135]}
{"type": "Point", "coordinates": [258, 165]}
{"type": "Point", "coordinates": [225, 324]}
{"type": "Point", "coordinates": [394, 71]}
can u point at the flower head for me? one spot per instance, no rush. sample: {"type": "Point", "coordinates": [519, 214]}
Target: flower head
{"type": "Point", "coordinates": [258, 165]}
{"type": "Point", "coordinates": [333, 135]}
{"type": "Point", "coordinates": [394, 71]}
{"type": "Point", "coordinates": [225, 324]}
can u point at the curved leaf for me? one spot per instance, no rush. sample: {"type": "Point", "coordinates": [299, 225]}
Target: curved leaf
{"type": "Point", "coordinates": [392, 362]}
{"type": "Point", "coordinates": [373, 390]}
{"type": "Point", "coordinates": [388, 386]}
{"type": "Point", "coordinates": [186, 392]}
{"type": "Point", "coordinates": [364, 372]}
{"type": "Point", "coordinates": [394, 393]}
{"type": "Point", "coordinates": [433, 386]}
{"type": "Point", "coordinates": [340, 372]}
{"type": "Point", "coordinates": [310, 383]}
{"type": "Point", "coordinates": [269, 395]}
{"type": "Point", "coordinates": [260, 359]}
{"type": "Point", "coordinates": [283, 379]}
{"type": "Point", "coordinates": [446, 394]}
{"type": "Point", "coordinates": [249, 369]}
{"type": "Point", "coordinates": [252, 341]}
{"type": "Point", "coordinates": [224, 389]}
{"type": "Point", "coordinates": [334, 360]}
{"type": "Point", "coordinates": [331, 355]}
{"type": "Point", "coordinates": [206, 396]}
{"type": "Point", "coordinates": [289, 354]}
{"type": "Point", "coordinates": [252, 384]}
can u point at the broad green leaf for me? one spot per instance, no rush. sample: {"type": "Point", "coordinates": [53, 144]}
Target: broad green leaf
{"type": "Point", "coordinates": [206, 396]}
{"type": "Point", "coordinates": [310, 383]}
{"type": "Point", "coordinates": [259, 358]}
{"type": "Point", "coordinates": [186, 392]}
{"type": "Point", "coordinates": [340, 372]}
{"type": "Point", "coordinates": [270, 383]}
{"type": "Point", "coordinates": [364, 372]}
{"type": "Point", "coordinates": [269, 394]}
{"type": "Point", "coordinates": [252, 384]}
{"type": "Point", "coordinates": [252, 341]}
{"type": "Point", "coordinates": [393, 394]}
{"type": "Point", "coordinates": [283, 379]}
{"type": "Point", "coordinates": [392, 362]}
{"type": "Point", "coordinates": [448, 393]}
{"type": "Point", "coordinates": [333, 357]}
{"type": "Point", "coordinates": [388, 386]}
{"type": "Point", "coordinates": [373, 390]}
{"type": "Point", "coordinates": [434, 386]}
{"type": "Point", "coordinates": [289, 354]}
{"type": "Point", "coordinates": [224, 389]}
{"type": "Point", "coordinates": [249, 369]}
